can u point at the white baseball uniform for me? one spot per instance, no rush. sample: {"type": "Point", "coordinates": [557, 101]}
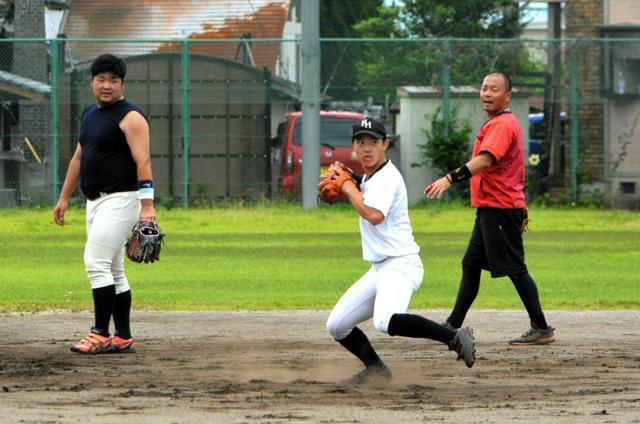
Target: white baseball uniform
{"type": "Point", "coordinates": [108, 179]}
{"type": "Point", "coordinates": [396, 271]}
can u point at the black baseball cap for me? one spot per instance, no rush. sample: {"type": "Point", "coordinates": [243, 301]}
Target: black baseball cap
{"type": "Point", "coordinates": [370, 126]}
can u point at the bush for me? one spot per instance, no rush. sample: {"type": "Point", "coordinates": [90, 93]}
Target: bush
{"type": "Point", "coordinates": [587, 199]}
{"type": "Point", "coordinates": [445, 152]}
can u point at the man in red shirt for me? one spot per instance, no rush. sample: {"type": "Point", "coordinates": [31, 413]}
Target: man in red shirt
{"type": "Point", "coordinates": [497, 174]}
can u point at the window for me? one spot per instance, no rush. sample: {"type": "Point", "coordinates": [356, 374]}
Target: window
{"type": "Point", "coordinates": [335, 132]}
{"type": "Point", "coordinates": [621, 54]}
{"type": "Point", "coordinates": [627, 187]}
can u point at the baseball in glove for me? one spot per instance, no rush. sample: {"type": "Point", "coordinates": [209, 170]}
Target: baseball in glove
{"type": "Point", "coordinates": [330, 185]}
{"type": "Point", "coordinates": [145, 242]}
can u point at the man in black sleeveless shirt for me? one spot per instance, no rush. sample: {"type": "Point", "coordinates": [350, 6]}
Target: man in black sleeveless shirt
{"type": "Point", "coordinates": [112, 166]}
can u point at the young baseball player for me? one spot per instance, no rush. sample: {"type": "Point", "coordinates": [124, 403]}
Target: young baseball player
{"type": "Point", "coordinates": [112, 166]}
{"type": "Point", "coordinates": [385, 291]}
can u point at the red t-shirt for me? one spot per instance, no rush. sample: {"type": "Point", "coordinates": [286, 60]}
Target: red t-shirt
{"type": "Point", "coordinates": [502, 185]}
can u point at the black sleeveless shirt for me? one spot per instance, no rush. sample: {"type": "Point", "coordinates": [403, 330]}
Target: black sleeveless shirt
{"type": "Point", "coordinates": [106, 165]}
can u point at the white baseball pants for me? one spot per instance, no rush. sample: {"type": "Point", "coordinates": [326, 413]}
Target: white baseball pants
{"type": "Point", "coordinates": [110, 218]}
{"type": "Point", "coordinates": [385, 289]}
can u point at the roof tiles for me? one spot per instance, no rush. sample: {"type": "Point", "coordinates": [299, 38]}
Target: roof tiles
{"type": "Point", "coordinates": [171, 20]}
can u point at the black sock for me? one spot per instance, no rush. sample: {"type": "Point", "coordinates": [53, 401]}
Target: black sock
{"type": "Point", "coordinates": [410, 325]}
{"type": "Point", "coordinates": [121, 314]}
{"type": "Point", "coordinates": [528, 292]}
{"type": "Point", "coordinates": [469, 287]}
{"type": "Point", "coordinates": [103, 299]}
{"type": "Point", "coordinates": [358, 344]}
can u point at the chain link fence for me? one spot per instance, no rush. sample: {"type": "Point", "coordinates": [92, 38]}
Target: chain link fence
{"type": "Point", "coordinates": [222, 112]}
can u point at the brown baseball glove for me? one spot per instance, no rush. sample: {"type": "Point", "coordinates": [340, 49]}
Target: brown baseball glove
{"type": "Point", "coordinates": [330, 185]}
{"type": "Point", "coordinates": [525, 221]}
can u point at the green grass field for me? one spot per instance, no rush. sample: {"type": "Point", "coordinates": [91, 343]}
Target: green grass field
{"type": "Point", "coordinates": [282, 257]}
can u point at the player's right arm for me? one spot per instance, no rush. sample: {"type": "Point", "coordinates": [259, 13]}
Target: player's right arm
{"type": "Point", "coordinates": [71, 182]}
{"type": "Point", "coordinates": [373, 215]}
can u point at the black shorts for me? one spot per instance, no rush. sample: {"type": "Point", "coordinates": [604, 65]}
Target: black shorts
{"type": "Point", "coordinates": [496, 242]}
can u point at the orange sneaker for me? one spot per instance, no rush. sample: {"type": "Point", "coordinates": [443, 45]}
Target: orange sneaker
{"type": "Point", "coordinates": [119, 345]}
{"type": "Point", "coordinates": [92, 344]}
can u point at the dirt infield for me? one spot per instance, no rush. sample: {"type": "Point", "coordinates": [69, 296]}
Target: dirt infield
{"type": "Point", "coordinates": [282, 367]}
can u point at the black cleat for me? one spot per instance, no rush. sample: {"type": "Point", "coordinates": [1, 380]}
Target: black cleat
{"type": "Point", "coordinates": [463, 344]}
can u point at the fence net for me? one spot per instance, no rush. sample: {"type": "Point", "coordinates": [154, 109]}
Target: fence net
{"type": "Point", "coordinates": [225, 121]}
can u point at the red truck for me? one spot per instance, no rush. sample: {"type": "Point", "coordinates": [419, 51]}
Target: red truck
{"type": "Point", "coordinates": [335, 144]}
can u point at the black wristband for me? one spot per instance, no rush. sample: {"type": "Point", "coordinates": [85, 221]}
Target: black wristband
{"type": "Point", "coordinates": [460, 174]}
{"type": "Point", "coordinates": [145, 184]}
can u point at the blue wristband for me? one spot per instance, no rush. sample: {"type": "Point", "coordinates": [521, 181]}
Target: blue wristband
{"type": "Point", "coordinates": [145, 190]}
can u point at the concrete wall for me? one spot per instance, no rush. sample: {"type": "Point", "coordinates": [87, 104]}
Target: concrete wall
{"type": "Point", "coordinates": [623, 12]}
{"type": "Point", "coordinates": [622, 112]}
{"type": "Point", "coordinates": [624, 153]}
{"type": "Point", "coordinates": [418, 102]}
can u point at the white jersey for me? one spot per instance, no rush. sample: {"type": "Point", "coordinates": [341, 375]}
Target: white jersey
{"type": "Point", "coordinates": [393, 237]}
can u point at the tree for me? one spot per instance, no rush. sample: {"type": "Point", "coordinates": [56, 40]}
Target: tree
{"type": "Point", "coordinates": [337, 20]}
{"type": "Point", "coordinates": [462, 18]}
{"type": "Point", "coordinates": [420, 62]}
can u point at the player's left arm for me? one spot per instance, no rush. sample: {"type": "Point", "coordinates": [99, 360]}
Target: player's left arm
{"type": "Point", "coordinates": [483, 161]}
{"type": "Point", "coordinates": [373, 215]}
{"type": "Point", "coordinates": [495, 144]}
{"type": "Point", "coordinates": [136, 130]}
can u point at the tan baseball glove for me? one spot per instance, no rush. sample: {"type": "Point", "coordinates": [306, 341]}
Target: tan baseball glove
{"type": "Point", "coordinates": [331, 182]}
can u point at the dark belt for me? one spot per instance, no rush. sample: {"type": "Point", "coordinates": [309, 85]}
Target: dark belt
{"type": "Point", "coordinates": [93, 197]}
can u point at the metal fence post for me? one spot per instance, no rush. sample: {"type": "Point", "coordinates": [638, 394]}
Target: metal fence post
{"type": "Point", "coordinates": [310, 102]}
{"type": "Point", "coordinates": [446, 82]}
{"type": "Point", "coordinates": [186, 123]}
{"type": "Point", "coordinates": [266, 77]}
{"type": "Point", "coordinates": [54, 117]}
{"type": "Point", "coordinates": [574, 121]}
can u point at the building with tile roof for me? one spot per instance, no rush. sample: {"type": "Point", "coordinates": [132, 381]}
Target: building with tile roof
{"type": "Point", "coordinates": [240, 86]}
{"type": "Point", "coordinates": [165, 21]}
